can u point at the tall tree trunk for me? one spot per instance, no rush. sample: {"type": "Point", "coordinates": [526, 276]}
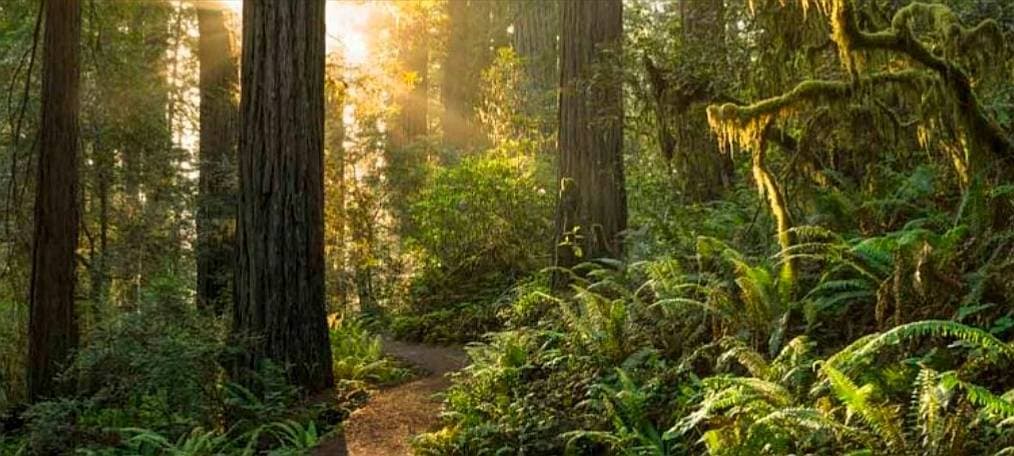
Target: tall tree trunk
{"type": "Point", "coordinates": [52, 332]}
{"type": "Point", "coordinates": [534, 40]}
{"type": "Point", "coordinates": [217, 201]}
{"type": "Point", "coordinates": [468, 55]}
{"type": "Point", "coordinates": [280, 235]}
{"type": "Point", "coordinates": [592, 212]}
{"type": "Point", "coordinates": [535, 29]}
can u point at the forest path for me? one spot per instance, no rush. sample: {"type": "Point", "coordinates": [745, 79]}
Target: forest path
{"type": "Point", "coordinates": [392, 416]}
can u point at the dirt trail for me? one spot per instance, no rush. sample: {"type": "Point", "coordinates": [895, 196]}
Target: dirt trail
{"type": "Point", "coordinates": [384, 425]}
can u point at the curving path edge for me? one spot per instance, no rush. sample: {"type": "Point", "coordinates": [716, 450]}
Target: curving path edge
{"type": "Point", "coordinates": [392, 416]}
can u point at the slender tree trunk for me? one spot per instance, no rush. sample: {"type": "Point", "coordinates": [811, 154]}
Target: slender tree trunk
{"type": "Point", "coordinates": [336, 216]}
{"type": "Point", "coordinates": [592, 212]}
{"type": "Point", "coordinates": [99, 264]}
{"type": "Point", "coordinates": [52, 332]}
{"type": "Point", "coordinates": [280, 235]}
{"type": "Point", "coordinates": [217, 201]}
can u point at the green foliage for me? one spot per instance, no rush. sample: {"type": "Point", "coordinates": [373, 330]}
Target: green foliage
{"type": "Point", "coordinates": [478, 227]}
{"type": "Point", "coordinates": [150, 382]}
{"type": "Point", "coordinates": [548, 391]}
{"type": "Point", "coordinates": [762, 415]}
{"type": "Point", "coordinates": [280, 438]}
{"type": "Point", "coordinates": [652, 317]}
{"type": "Point", "coordinates": [633, 432]}
{"type": "Point", "coordinates": [357, 355]}
{"type": "Point", "coordinates": [480, 215]}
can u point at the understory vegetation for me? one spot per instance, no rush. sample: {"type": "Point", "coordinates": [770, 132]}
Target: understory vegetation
{"type": "Point", "coordinates": [848, 293]}
{"type": "Point", "coordinates": [657, 227]}
{"type": "Point", "coordinates": [153, 381]}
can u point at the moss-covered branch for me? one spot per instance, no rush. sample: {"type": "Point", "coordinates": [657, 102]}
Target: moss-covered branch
{"type": "Point", "coordinates": [982, 130]}
{"type": "Point", "coordinates": [747, 125]}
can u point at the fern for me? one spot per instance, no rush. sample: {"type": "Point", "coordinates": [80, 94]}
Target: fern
{"type": "Point", "coordinates": [862, 349]}
{"type": "Point", "coordinates": [881, 418]}
{"type": "Point", "coordinates": [801, 423]}
{"type": "Point", "coordinates": [999, 406]}
{"type": "Point", "coordinates": [748, 358]}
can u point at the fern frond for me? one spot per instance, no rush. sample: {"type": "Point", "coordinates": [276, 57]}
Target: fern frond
{"type": "Point", "coordinates": [771, 392]}
{"type": "Point", "coordinates": [979, 396]}
{"type": "Point", "coordinates": [942, 328]}
{"type": "Point", "coordinates": [882, 419]}
{"type": "Point", "coordinates": [800, 422]}
{"type": "Point", "coordinates": [928, 404]}
{"type": "Point", "coordinates": [866, 346]}
{"type": "Point", "coordinates": [841, 285]}
{"type": "Point", "coordinates": [747, 357]}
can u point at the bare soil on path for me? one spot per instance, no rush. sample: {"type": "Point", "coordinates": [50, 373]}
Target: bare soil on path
{"type": "Point", "coordinates": [392, 416]}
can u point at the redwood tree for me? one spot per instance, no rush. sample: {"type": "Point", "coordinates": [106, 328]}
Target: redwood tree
{"type": "Point", "coordinates": [279, 300]}
{"type": "Point", "coordinates": [592, 211]}
{"type": "Point", "coordinates": [52, 330]}
{"type": "Point", "coordinates": [217, 202]}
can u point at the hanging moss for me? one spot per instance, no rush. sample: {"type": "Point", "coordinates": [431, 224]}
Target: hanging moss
{"type": "Point", "coordinates": [938, 75]}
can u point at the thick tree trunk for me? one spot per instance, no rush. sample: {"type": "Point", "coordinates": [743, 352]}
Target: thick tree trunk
{"type": "Point", "coordinates": [217, 201]}
{"type": "Point", "coordinates": [592, 212]}
{"type": "Point", "coordinates": [52, 332]}
{"type": "Point", "coordinates": [280, 235]}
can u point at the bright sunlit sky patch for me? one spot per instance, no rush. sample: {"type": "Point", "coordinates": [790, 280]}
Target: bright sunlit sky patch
{"type": "Point", "coordinates": [347, 27]}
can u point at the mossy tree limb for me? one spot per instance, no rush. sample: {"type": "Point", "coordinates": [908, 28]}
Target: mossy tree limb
{"type": "Point", "coordinates": [982, 130]}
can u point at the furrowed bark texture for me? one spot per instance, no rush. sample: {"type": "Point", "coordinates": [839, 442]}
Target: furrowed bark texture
{"type": "Point", "coordinates": [280, 235]}
{"type": "Point", "coordinates": [52, 330]}
{"type": "Point", "coordinates": [592, 211]}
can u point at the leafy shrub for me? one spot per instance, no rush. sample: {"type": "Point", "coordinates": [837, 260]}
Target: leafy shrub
{"type": "Point", "coordinates": [480, 224]}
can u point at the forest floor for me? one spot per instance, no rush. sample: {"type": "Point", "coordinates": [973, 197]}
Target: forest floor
{"type": "Point", "coordinates": [393, 415]}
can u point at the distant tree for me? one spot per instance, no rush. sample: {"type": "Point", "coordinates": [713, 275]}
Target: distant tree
{"type": "Point", "coordinates": [534, 40]}
{"type": "Point", "coordinates": [216, 200]}
{"type": "Point", "coordinates": [53, 330]}
{"type": "Point", "coordinates": [468, 53]}
{"type": "Point", "coordinates": [280, 234]}
{"type": "Point", "coordinates": [592, 211]}
{"type": "Point", "coordinates": [535, 29]}
{"type": "Point", "coordinates": [681, 87]}
{"type": "Point", "coordinates": [413, 62]}
{"type": "Point", "coordinates": [335, 166]}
